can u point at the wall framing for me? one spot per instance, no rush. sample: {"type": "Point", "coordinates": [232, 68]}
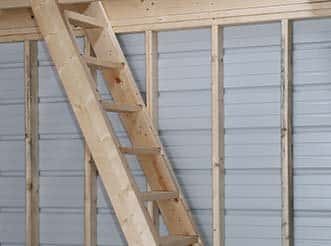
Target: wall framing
{"type": "Point", "coordinates": [286, 134]}
{"type": "Point", "coordinates": [31, 142]}
{"type": "Point", "coordinates": [90, 183]}
{"type": "Point", "coordinates": [151, 50]}
{"type": "Point", "coordinates": [218, 135]}
{"type": "Point", "coordinates": [302, 9]}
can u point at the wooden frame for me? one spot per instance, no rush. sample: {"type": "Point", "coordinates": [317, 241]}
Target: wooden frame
{"type": "Point", "coordinates": [90, 184]}
{"type": "Point", "coordinates": [217, 134]}
{"type": "Point", "coordinates": [130, 16]}
{"type": "Point", "coordinates": [286, 135]}
{"type": "Point", "coordinates": [31, 142]}
{"type": "Point", "coordinates": [151, 42]}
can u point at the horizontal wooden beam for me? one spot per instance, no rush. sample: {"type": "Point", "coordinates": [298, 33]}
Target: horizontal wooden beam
{"type": "Point", "coordinates": [102, 64]}
{"type": "Point", "coordinates": [119, 108]}
{"type": "Point", "coordinates": [81, 20]}
{"type": "Point", "coordinates": [140, 151]}
{"type": "Point", "coordinates": [130, 16]}
{"type": "Point", "coordinates": [14, 4]}
{"type": "Point", "coordinates": [177, 240]}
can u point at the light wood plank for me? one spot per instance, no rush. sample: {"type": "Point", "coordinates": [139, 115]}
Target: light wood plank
{"type": "Point", "coordinates": [152, 100]}
{"type": "Point", "coordinates": [218, 135]}
{"type": "Point", "coordinates": [101, 64]}
{"type": "Point", "coordinates": [90, 184]}
{"type": "Point", "coordinates": [80, 20]}
{"type": "Point", "coordinates": [286, 136]}
{"type": "Point", "coordinates": [90, 200]}
{"type": "Point", "coordinates": [158, 195]}
{"type": "Point", "coordinates": [31, 142]}
{"type": "Point", "coordinates": [13, 4]}
{"type": "Point", "coordinates": [18, 25]}
{"type": "Point", "coordinates": [110, 106]}
{"type": "Point", "coordinates": [140, 150]}
{"type": "Point", "coordinates": [152, 86]}
{"type": "Point", "coordinates": [177, 241]}
{"type": "Point", "coordinates": [95, 126]}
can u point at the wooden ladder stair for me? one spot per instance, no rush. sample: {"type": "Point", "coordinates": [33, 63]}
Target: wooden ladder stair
{"type": "Point", "coordinates": [56, 26]}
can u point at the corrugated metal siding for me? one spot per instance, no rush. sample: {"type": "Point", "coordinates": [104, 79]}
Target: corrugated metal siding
{"type": "Point", "coordinates": [312, 132]}
{"type": "Point", "coordinates": [12, 165]}
{"type": "Point", "coordinates": [252, 135]}
{"type": "Point", "coordinates": [184, 115]}
{"type": "Point", "coordinates": [61, 161]}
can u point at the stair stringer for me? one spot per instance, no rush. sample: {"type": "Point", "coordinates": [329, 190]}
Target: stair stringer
{"type": "Point", "coordinates": [121, 85]}
{"type": "Point", "coordinates": [98, 133]}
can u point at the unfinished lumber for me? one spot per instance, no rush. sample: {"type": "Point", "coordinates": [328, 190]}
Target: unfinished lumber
{"type": "Point", "coordinates": [90, 200]}
{"type": "Point", "coordinates": [90, 183]}
{"type": "Point", "coordinates": [158, 195]}
{"type": "Point", "coordinates": [31, 142]}
{"type": "Point", "coordinates": [101, 64]}
{"type": "Point", "coordinates": [13, 4]}
{"type": "Point", "coordinates": [95, 126]}
{"type": "Point", "coordinates": [140, 150]}
{"type": "Point", "coordinates": [218, 135]}
{"type": "Point", "coordinates": [110, 106]}
{"type": "Point", "coordinates": [109, 157]}
{"type": "Point", "coordinates": [152, 99]}
{"type": "Point", "coordinates": [80, 20]}
{"type": "Point", "coordinates": [286, 135]}
{"type": "Point", "coordinates": [177, 240]}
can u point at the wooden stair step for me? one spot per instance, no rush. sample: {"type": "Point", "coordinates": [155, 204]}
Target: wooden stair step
{"type": "Point", "coordinates": [159, 195]}
{"type": "Point", "coordinates": [101, 64]}
{"type": "Point", "coordinates": [140, 151]}
{"type": "Point", "coordinates": [178, 240]}
{"type": "Point", "coordinates": [81, 20]}
{"type": "Point", "coordinates": [119, 108]}
{"type": "Point", "coordinates": [76, 1]}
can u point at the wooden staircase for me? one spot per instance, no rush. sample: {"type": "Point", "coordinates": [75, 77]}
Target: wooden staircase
{"type": "Point", "coordinates": [56, 24]}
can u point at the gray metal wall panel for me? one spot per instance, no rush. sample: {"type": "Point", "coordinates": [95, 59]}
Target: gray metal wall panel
{"type": "Point", "coordinates": [312, 138]}
{"type": "Point", "coordinates": [61, 161]}
{"type": "Point", "coordinates": [184, 117]}
{"type": "Point", "coordinates": [252, 135]}
{"type": "Point", "coordinates": [12, 164]}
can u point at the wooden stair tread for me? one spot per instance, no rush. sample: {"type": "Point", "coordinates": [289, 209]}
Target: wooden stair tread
{"type": "Point", "coordinates": [81, 20]}
{"type": "Point", "coordinates": [159, 195]}
{"type": "Point", "coordinates": [119, 108]}
{"type": "Point", "coordinates": [140, 150]}
{"type": "Point", "coordinates": [101, 64]}
{"type": "Point", "coordinates": [178, 240]}
{"type": "Point", "coordinates": [76, 1]}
